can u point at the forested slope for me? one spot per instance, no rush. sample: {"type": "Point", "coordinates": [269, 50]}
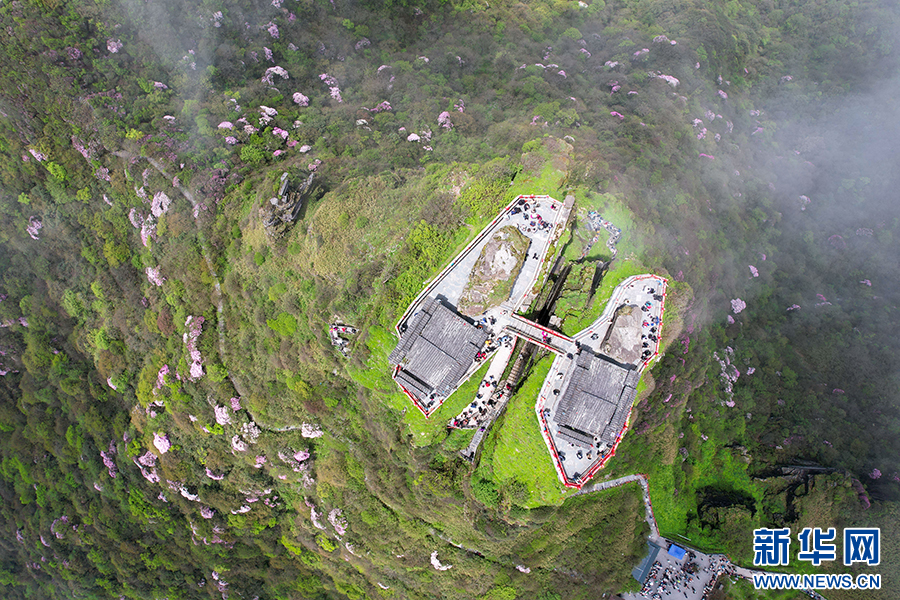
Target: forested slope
{"type": "Point", "coordinates": [176, 423]}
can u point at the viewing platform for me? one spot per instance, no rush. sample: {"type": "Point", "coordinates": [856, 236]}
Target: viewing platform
{"type": "Point", "coordinates": [585, 403]}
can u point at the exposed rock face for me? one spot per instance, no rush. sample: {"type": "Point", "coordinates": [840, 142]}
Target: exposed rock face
{"type": "Point", "coordinates": [281, 211]}
{"type": "Point", "coordinates": [495, 272]}
{"type": "Point", "coordinates": [623, 340]}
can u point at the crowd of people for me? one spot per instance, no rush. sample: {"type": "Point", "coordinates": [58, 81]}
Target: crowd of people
{"type": "Point", "coordinates": [489, 395]}
{"type": "Point", "coordinates": [533, 221]}
{"type": "Point", "coordinates": [685, 579]}
{"type": "Point", "coordinates": [651, 323]}
{"type": "Point", "coordinates": [597, 223]}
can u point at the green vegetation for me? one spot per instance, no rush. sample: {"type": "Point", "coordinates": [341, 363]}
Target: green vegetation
{"type": "Point", "coordinates": [434, 429]}
{"type": "Point", "coordinates": [572, 306]}
{"type": "Point", "coordinates": [515, 454]}
{"type": "Point", "coordinates": [138, 143]}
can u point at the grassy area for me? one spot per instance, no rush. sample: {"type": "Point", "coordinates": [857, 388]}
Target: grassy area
{"type": "Point", "coordinates": [459, 439]}
{"type": "Point", "coordinates": [433, 429]}
{"type": "Point", "coordinates": [550, 177]}
{"type": "Point", "coordinates": [376, 375]}
{"type": "Point", "coordinates": [518, 451]}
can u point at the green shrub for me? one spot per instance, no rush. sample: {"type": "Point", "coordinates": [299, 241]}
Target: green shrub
{"type": "Point", "coordinates": [283, 324]}
{"type": "Point", "coordinates": [485, 492]}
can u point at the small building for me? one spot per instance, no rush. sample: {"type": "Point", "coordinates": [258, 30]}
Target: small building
{"type": "Point", "coordinates": [676, 552]}
{"type": "Point", "coordinates": [434, 353]}
{"type": "Point", "coordinates": [642, 571]}
{"type": "Point", "coordinates": [595, 404]}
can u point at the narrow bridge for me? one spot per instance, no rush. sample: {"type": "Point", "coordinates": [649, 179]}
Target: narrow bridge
{"type": "Point", "coordinates": [541, 336]}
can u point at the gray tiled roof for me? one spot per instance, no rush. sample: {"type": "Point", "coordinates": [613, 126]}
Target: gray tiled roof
{"type": "Point", "coordinates": [598, 397]}
{"type": "Point", "coordinates": [436, 350]}
{"type": "Point", "coordinates": [575, 437]}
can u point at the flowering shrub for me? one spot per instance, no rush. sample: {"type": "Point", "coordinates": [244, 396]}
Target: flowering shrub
{"type": "Point", "coordinates": [194, 326]}
{"type": "Point", "coordinates": [412, 138]}
{"type": "Point", "coordinates": [154, 277]}
{"type": "Point", "coordinates": [237, 444]}
{"type": "Point", "coordinates": [300, 99]}
{"type": "Point", "coordinates": [333, 88]}
{"type": "Point", "coordinates": [272, 71]}
{"type": "Point", "coordinates": [250, 432]}
{"type": "Point", "coordinates": [108, 461]}
{"type": "Point", "coordinates": [444, 120]}
{"type": "Point", "coordinates": [160, 204]}
{"type": "Point", "coordinates": [337, 520]}
{"type": "Point", "coordinates": [313, 515]}
{"type": "Point", "coordinates": [268, 54]}
{"type": "Point", "coordinates": [231, 140]}
{"type": "Point", "coordinates": [737, 305]}
{"type": "Point", "coordinates": [272, 28]}
{"type": "Point", "coordinates": [266, 115]}
{"type": "Point", "coordinates": [113, 45]}
{"type": "Point", "coordinates": [223, 417]}
{"type": "Point", "coordinates": [754, 271]}
{"type": "Point", "coordinates": [161, 376]}
{"type": "Point", "coordinates": [437, 564]}
{"type": "Point", "coordinates": [148, 459]}
{"type": "Point", "coordinates": [34, 226]}
{"type": "Point", "coordinates": [161, 442]}
{"type": "Point", "coordinates": [309, 430]}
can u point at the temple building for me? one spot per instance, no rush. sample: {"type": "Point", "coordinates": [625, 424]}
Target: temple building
{"type": "Point", "coordinates": [435, 351]}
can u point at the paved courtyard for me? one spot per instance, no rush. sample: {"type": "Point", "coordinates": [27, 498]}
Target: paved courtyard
{"type": "Point", "coordinates": [537, 222]}
{"type": "Point", "coordinates": [646, 293]}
